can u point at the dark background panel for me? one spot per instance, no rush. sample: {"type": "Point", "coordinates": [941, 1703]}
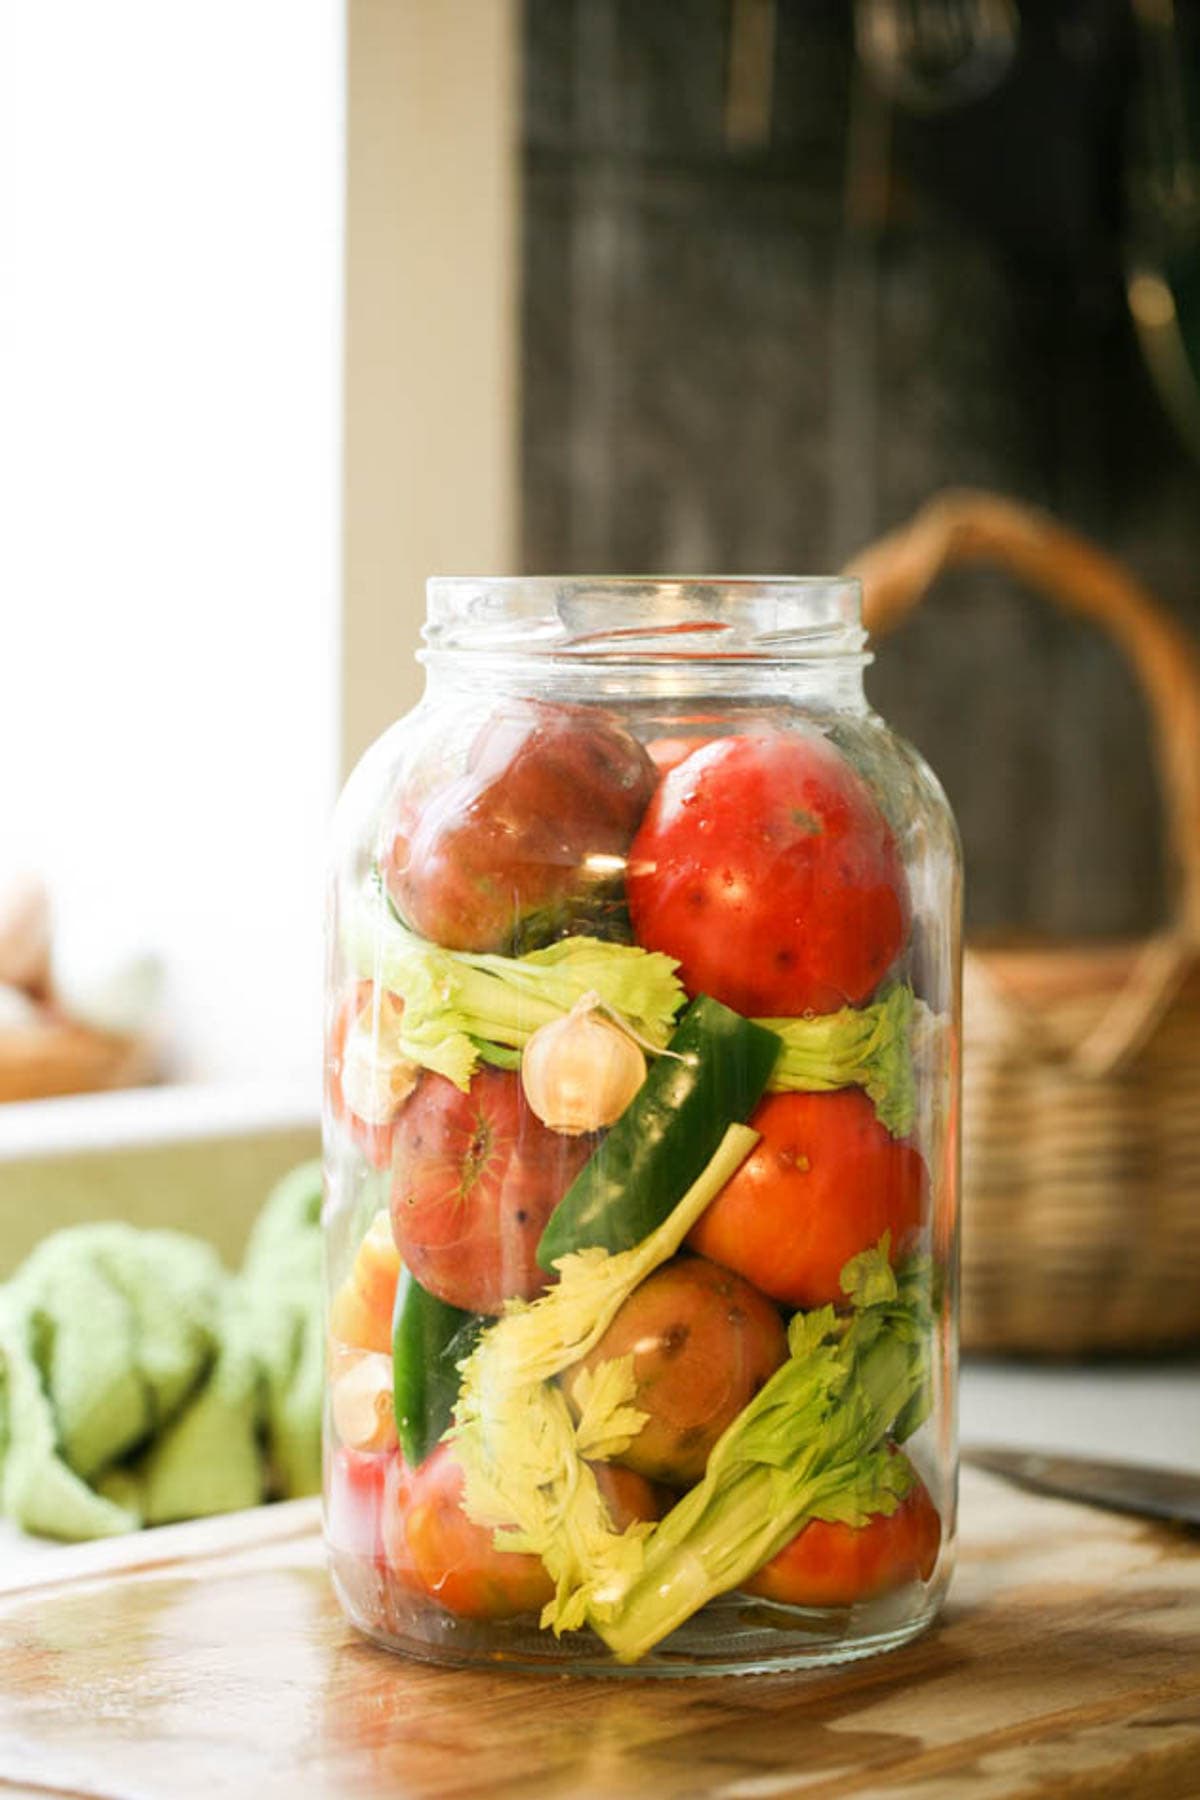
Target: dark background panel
{"type": "Point", "coordinates": [758, 352]}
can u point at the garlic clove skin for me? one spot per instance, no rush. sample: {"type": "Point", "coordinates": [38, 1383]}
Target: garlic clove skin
{"type": "Point", "coordinates": [580, 1072]}
{"type": "Point", "coordinates": [360, 1397]}
{"type": "Point", "coordinates": [375, 1088]}
{"type": "Point", "coordinates": [376, 1078]}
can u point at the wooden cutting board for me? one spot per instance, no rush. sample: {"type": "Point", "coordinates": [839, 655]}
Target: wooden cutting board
{"type": "Point", "coordinates": [211, 1660]}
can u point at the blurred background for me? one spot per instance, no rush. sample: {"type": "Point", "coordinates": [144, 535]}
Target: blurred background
{"type": "Point", "coordinates": [302, 303]}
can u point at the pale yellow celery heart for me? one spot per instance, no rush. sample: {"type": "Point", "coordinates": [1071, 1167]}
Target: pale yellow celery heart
{"type": "Point", "coordinates": [525, 1472]}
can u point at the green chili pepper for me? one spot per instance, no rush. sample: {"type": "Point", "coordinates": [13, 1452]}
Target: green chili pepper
{"type": "Point", "coordinates": [712, 1075]}
{"type": "Point", "coordinates": [429, 1340]}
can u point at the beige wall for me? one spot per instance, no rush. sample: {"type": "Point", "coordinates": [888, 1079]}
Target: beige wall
{"type": "Point", "coordinates": [430, 420]}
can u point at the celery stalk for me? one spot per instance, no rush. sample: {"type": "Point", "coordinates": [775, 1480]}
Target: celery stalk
{"type": "Point", "coordinates": [456, 1001]}
{"type": "Point", "coordinates": [868, 1047]}
{"type": "Point", "coordinates": [523, 1460]}
{"type": "Point", "coordinates": [460, 1006]}
{"type": "Point", "coordinates": [811, 1445]}
{"type": "Point", "coordinates": [536, 1340]}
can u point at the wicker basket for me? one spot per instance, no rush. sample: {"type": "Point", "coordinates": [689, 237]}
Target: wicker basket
{"type": "Point", "coordinates": [57, 1057]}
{"type": "Point", "coordinates": [1081, 1092]}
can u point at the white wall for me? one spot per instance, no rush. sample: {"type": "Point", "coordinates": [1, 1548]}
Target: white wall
{"type": "Point", "coordinates": [170, 227]}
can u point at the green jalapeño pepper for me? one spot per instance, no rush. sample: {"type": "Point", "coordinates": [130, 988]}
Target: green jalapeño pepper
{"type": "Point", "coordinates": [712, 1075]}
{"type": "Point", "coordinates": [429, 1340]}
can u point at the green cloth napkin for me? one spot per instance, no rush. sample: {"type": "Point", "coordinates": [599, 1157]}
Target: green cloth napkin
{"type": "Point", "coordinates": [281, 1277]}
{"type": "Point", "coordinates": [140, 1383]}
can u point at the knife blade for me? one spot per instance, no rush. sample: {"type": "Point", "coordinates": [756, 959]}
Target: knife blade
{"type": "Point", "coordinates": [1140, 1488]}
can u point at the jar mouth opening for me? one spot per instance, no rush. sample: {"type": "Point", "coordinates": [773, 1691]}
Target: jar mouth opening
{"type": "Point", "coordinates": [644, 618]}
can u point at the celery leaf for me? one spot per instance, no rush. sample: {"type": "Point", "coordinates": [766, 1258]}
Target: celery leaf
{"type": "Point", "coordinates": [868, 1047]}
{"type": "Point", "coordinates": [459, 1005]}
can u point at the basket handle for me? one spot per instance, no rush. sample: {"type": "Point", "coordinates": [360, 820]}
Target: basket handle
{"type": "Point", "coordinates": [961, 526]}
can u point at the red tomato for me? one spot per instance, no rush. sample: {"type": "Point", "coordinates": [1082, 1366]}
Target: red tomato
{"type": "Point", "coordinates": [476, 1177]}
{"type": "Point", "coordinates": [394, 1504]}
{"type": "Point", "coordinates": [375, 1141]}
{"type": "Point", "coordinates": [824, 1182]}
{"type": "Point", "coordinates": [765, 867]}
{"type": "Point", "coordinates": [836, 1565]}
{"type": "Point", "coordinates": [354, 1499]}
{"type": "Point", "coordinates": [455, 1560]}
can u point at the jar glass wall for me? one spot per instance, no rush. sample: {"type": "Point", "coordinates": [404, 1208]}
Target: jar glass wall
{"type": "Point", "coordinates": [641, 1141]}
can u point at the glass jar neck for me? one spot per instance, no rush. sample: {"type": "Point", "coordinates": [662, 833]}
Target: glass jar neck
{"type": "Point", "coordinates": [634, 637]}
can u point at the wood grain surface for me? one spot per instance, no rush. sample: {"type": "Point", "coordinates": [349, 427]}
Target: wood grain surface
{"type": "Point", "coordinates": [211, 1660]}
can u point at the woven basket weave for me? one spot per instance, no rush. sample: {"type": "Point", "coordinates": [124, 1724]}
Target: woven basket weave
{"type": "Point", "coordinates": [1081, 1086]}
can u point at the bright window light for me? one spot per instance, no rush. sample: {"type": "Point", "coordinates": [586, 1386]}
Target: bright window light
{"type": "Point", "coordinates": [170, 217]}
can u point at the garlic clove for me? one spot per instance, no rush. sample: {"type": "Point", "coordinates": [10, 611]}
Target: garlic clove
{"type": "Point", "coordinates": [376, 1078]}
{"type": "Point", "coordinates": [375, 1087]}
{"type": "Point", "coordinates": [360, 1396]}
{"type": "Point", "coordinates": [580, 1072]}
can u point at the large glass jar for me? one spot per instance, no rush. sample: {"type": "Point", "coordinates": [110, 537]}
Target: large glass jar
{"type": "Point", "coordinates": [641, 1141]}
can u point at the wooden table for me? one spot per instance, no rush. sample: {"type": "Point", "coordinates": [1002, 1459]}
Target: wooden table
{"type": "Point", "coordinates": [210, 1660]}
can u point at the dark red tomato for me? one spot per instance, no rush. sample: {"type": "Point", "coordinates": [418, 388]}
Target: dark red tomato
{"type": "Point", "coordinates": [824, 1182]}
{"type": "Point", "coordinates": [456, 1561]}
{"type": "Point", "coordinates": [354, 1499]}
{"type": "Point", "coordinates": [526, 842]}
{"type": "Point", "coordinates": [375, 1141]}
{"type": "Point", "coordinates": [765, 867]}
{"type": "Point", "coordinates": [838, 1565]}
{"type": "Point", "coordinates": [475, 1178]}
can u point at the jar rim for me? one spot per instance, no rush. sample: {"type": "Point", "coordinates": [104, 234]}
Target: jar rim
{"type": "Point", "coordinates": [640, 618]}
